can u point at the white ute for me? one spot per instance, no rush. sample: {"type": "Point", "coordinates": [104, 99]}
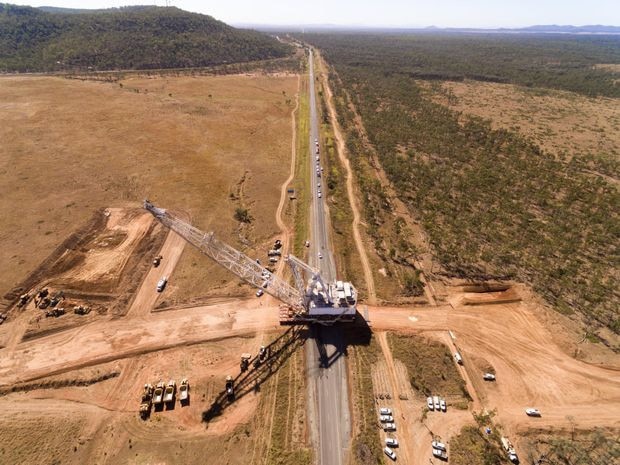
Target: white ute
{"type": "Point", "coordinates": [488, 377]}
{"type": "Point", "coordinates": [429, 402]}
{"type": "Point", "coordinates": [532, 412]}
{"type": "Point", "coordinates": [392, 442]}
{"type": "Point", "coordinates": [436, 403]}
{"type": "Point", "coordinates": [386, 419]}
{"type": "Point", "coordinates": [442, 404]}
{"type": "Point", "coordinates": [390, 453]}
{"type": "Point", "coordinates": [161, 284]}
{"type": "Point", "coordinates": [389, 427]}
{"type": "Point", "coordinates": [385, 411]}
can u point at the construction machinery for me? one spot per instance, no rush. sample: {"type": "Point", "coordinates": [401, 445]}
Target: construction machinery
{"type": "Point", "coordinates": [158, 393]}
{"type": "Point", "coordinates": [23, 299]}
{"type": "Point", "coordinates": [170, 391]}
{"type": "Point", "coordinates": [146, 401]}
{"type": "Point", "coordinates": [81, 310]}
{"type": "Point", "coordinates": [245, 362]}
{"type": "Point", "coordinates": [311, 300]}
{"type": "Point", "coordinates": [157, 260]}
{"type": "Point", "coordinates": [55, 312]}
{"type": "Point", "coordinates": [184, 391]}
{"type": "Point", "coordinates": [230, 388]}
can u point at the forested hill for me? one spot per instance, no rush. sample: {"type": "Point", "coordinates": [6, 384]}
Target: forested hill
{"type": "Point", "coordinates": [144, 37]}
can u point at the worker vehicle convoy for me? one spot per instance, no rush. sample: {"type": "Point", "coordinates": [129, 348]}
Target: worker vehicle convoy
{"type": "Point", "coordinates": [311, 300]}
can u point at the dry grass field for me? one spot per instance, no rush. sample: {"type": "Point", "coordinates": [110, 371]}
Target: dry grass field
{"type": "Point", "coordinates": [557, 120]}
{"type": "Point", "coordinates": [201, 145]}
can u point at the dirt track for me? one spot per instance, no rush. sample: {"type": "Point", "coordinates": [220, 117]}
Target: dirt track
{"type": "Point", "coordinates": [357, 238]}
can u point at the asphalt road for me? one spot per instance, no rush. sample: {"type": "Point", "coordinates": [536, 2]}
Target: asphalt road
{"type": "Point", "coordinates": [327, 375]}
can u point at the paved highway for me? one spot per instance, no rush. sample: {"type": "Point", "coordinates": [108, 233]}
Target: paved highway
{"type": "Point", "coordinates": [327, 376]}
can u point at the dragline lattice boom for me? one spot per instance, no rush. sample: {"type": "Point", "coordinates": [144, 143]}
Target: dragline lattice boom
{"type": "Point", "coordinates": [230, 258]}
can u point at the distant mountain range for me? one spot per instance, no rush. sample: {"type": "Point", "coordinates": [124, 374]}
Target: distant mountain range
{"type": "Point", "coordinates": [138, 37]}
{"type": "Point", "coordinates": [540, 29]}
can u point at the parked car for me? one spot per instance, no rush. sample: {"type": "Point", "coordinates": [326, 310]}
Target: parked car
{"type": "Point", "coordinates": [392, 442]}
{"type": "Point", "coordinates": [532, 412]}
{"type": "Point", "coordinates": [320, 255]}
{"type": "Point", "coordinates": [443, 405]}
{"type": "Point", "coordinates": [389, 426]}
{"type": "Point", "coordinates": [386, 419]}
{"type": "Point", "coordinates": [429, 402]}
{"type": "Point", "coordinates": [385, 411]}
{"type": "Point", "coordinates": [438, 445]}
{"type": "Point", "coordinates": [390, 453]}
{"type": "Point", "coordinates": [259, 292]}
{"type": "Point", "coordinates": [488, 377]}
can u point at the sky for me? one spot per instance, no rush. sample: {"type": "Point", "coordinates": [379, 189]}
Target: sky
{"type": "Point", "coordinates": [383, 13]}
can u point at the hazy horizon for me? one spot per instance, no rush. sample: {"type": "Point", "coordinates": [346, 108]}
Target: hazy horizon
{"type": "Point", "coordinates": [486, 14]}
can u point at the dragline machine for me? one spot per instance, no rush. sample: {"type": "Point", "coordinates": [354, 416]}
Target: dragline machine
{"type": "Point", "coordinates": [311, 300]}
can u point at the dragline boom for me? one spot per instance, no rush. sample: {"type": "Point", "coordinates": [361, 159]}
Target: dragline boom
{"type": "Point", "coordinates": [230, 258]}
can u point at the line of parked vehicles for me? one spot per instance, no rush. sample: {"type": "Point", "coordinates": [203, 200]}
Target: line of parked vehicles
{"type": "Point", "coordinates": [437, 404]}
{"type": "Point", "coordinates": [387, 423]}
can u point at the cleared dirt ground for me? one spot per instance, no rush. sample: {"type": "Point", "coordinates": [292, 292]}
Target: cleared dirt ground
{"type": "Point", "coordinates": [201, 145]}
{"type": "Point", "coordinates": [559, 121]}
{"type": "Point", "coordinates": [71, 385]}
{"type": "Point", "coordinates": [533, 361]}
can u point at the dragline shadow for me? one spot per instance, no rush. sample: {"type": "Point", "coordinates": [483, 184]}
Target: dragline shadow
{"type": "Point", "coordinates": [259, 371]}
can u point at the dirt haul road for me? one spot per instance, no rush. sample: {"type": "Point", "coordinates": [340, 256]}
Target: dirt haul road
{"type": "Point", "coordinates": [104, 341]}
{"type": "Point", "coordinates": [531, 369]}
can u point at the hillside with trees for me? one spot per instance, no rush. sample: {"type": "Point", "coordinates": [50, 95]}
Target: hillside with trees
{"type": "Point", "coordinates": [147, 37]}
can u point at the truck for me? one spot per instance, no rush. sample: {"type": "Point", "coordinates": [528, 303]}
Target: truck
{"type": "Point", "coordinates": [184, 391]}
{"type": "Point", "coordinates": [158, 393]}
{"type": "Point", "coordinates": [230, 388]}
{"type": "Point", "coordinates": [510, 450]}
{"type": "Point", "coordinates": [170, 391]}
{"type": "Point", "coordinates": [146, 401]}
